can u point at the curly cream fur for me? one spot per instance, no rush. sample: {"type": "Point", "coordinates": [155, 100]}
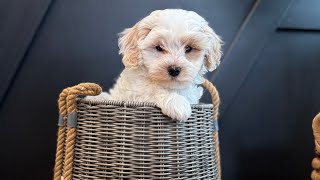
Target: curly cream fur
{"type": "Point", "coordinates": [146, 77]}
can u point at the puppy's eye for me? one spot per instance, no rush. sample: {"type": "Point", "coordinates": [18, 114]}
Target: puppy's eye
{"type": "Point", "coordinates": [188, 49]}
{"type": "Point", "coordinates": [159, 48]}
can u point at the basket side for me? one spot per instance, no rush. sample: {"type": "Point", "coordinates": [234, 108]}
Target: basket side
{"type": "Point", "coordinates": [116, 140]}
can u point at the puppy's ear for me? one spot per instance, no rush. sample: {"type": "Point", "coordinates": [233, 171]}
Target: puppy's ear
{"type": "Point", "coordinates": [213, 53]}
{"type": "Point", "coordinates": [128, 44]}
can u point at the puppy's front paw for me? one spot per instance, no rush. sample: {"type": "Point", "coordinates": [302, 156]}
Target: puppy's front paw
{"type": "Point", "coordinates": [177, 108]}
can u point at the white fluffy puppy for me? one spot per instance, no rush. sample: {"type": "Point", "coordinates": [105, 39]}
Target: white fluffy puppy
{"type": "Point", "coordinates": [165, 56]}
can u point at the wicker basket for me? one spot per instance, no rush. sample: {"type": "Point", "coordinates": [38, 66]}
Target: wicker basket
{"type": "Point", "coordinates": [134, 140]}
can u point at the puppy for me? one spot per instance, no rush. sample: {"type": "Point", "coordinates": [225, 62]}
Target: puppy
{"type": "Point", "coordinates": [166, 55]}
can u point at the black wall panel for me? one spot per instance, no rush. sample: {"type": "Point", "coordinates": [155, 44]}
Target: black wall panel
{"type": "Point", "coordinates": [303, 15]}
{"type": "Point", "coordinates": [270, 93]}
{"type": "Point", "coordinates": [19, 21]}
{"type": "Point", "coordinates": [269, 121]}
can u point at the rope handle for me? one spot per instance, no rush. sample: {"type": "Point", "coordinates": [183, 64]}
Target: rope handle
{"type": "Point", "coordinates": [214, 96]}
{"type": "Point", "coordinates": [216, 103]}
{"type": "Point", "coordinates": [61, 134]}
{"type": "Point", "coordinates": [315, 175]}
{"type": "Point", "coordinates": [66, 135]}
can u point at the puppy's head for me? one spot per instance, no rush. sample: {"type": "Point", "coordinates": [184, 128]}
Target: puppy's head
{"type": "Point", "coordinates": [174, 46]}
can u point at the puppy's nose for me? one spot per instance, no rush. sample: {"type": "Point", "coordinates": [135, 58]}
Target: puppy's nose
{"type": "Point", "coordinates": [174, 71]}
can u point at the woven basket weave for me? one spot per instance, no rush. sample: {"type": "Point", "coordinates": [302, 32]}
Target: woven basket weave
{"type": "Point", "coordinates": [134, 140]}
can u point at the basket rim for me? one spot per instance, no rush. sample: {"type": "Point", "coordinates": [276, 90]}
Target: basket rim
{"type": "Point", "coordinates": [133, 103]}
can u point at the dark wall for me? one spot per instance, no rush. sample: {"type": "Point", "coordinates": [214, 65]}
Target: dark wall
{"type": "Point", "coordinates": [269, 86]}
{"type": "Point", "coordinates": [267, 80]}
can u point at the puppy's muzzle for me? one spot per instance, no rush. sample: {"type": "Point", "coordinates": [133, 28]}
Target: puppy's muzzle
{"type": "Point", "coordinates": [174, 71]}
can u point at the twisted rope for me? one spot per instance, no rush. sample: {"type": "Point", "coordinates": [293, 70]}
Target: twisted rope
{"type": "Point", "coordinates": [61, 135]}
{"type": "Point", "coordinates": [87, 89]}
{"type": "Point", "coordinates": [216, 103]}
{"type": "Point", "coordinates": [315, 175]}
{"type": "Point", "coordinates": [215, 97]}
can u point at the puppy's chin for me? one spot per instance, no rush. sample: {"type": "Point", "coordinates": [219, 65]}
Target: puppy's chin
{"type": "Point", "coordinates": [168, 82]}
{"type": "Point", "coordinates": [174, 84]}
